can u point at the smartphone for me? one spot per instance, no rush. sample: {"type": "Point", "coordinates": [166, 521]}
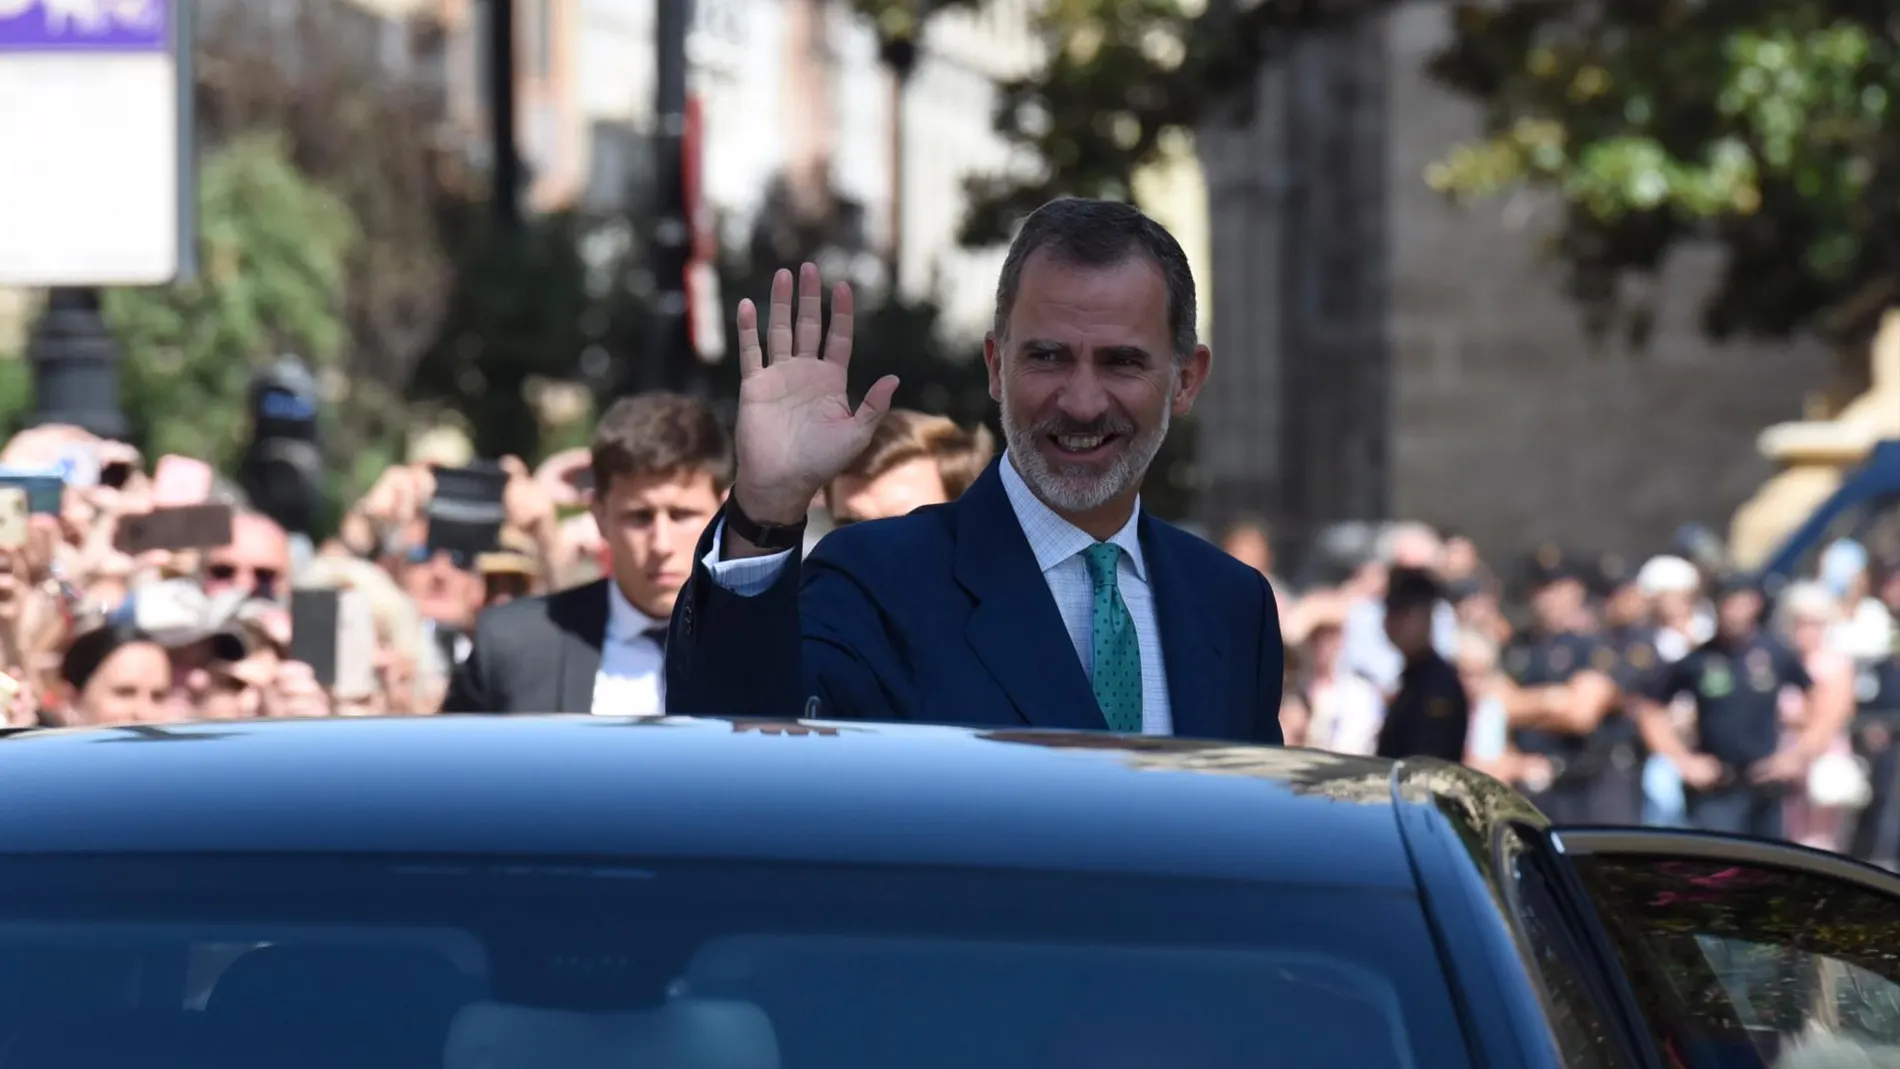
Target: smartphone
{"type": "Point", "coordinates": [466, 513]}
{"type": "Point", "coordinates": [334, 632]}
{"type": "Point", "coordinates": [481, 483]}
{"type": "Point", "coordinates": [13, 517]}
{"type": "Point", "coordinates": [178, 527]}
{"type": "Point", "coordinates": [43, 492]}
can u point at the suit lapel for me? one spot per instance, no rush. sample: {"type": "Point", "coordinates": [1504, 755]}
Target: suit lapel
{"type": "Point", "coordinates": [1192, 642]}
{"type": "Point", "coordinates": [1016, 630]}
{"type": "Point", "coordinates": [580, 624]}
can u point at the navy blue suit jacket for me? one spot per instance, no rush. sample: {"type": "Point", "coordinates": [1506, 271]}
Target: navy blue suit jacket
{"type": "Point", "coordinates": [943, 617]}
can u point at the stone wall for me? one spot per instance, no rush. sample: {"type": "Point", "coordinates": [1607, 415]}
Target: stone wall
{"type": "Point", "coordinates": [1506, 422]}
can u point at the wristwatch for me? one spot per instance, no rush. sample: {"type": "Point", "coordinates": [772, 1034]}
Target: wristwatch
{"type": "Point", "coordinates": [768, 536]}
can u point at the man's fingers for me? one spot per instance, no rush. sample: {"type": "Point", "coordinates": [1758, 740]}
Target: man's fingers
{"type": "Point", "coordinates": [751, 358]}
{"type": "Point", "coordinates": [877, 401]}
{"type": "Point", "coordinates": [778, 338]}
{"type": "Point", "coordinates": [838, 339]}
{"type": "Point", "coordinates": [811, 312]}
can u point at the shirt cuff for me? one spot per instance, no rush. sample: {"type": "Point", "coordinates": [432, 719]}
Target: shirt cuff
{"type": "Point", "coordinates": [748, 576]}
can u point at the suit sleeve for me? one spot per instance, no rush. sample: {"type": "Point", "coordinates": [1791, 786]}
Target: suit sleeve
{"type": "Point", "coordinates": [1272, 672]}
{"type": "Point", "coordinates": [735, 648]}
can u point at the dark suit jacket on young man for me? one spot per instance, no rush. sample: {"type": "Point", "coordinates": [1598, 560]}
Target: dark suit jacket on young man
{"type": "Point", "coordinates": [534, 655]}
{"type": "Point", "coordinates": [944, 617]}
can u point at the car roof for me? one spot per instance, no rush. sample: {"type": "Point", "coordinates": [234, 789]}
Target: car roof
{"type": "Point", "coordinates": [704, 788]}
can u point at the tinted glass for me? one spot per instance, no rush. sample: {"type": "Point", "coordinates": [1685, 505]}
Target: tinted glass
{"type": "Point", "coordinates": [1577, 1018]}
{"type": "Point", "coordinates": [498, 964]}
{"type": "Point", "coordinates": [1740, 965]}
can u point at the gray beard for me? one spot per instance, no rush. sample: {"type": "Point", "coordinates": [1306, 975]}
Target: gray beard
{"type": "Point", "coordinates": [1079, 491]}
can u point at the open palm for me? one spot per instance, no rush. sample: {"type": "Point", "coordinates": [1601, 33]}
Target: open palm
{"type": "Point", "coordinates": [796, 429]}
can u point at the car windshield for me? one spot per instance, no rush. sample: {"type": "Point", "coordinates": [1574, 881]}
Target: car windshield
{"type": "Point", "coordinates": [527, 963]}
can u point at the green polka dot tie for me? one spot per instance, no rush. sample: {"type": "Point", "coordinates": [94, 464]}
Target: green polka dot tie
{"type": "Point", "coordinates": [1117, 655]}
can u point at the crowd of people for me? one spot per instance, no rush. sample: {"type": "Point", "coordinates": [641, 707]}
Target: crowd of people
{"type": "Point", "coordinates": [94, 636]}
{"type": "Point", "coordinates": [679, 564]}
{"type": "Point", "coordinates": [1588, 702]}
{"type": "Point", "coordinates": [1675, 692]}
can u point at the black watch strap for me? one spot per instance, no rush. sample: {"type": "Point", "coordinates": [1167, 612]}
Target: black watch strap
{"type": "Point", "coordinates": [772, 536]}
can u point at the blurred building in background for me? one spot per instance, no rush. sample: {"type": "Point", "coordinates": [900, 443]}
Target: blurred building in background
{"type": "Point", "coordinates": [790, 90]}
{"type": "Point", "coordinates": [1383, 352]}
{"type": "Point", "coordinates": [1380, 351]}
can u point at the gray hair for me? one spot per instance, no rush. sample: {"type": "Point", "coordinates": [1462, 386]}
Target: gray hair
{"type": "Point", "coordinates": [1807, 598]}
{"type": "Point", "coordinates": [1100, 233]}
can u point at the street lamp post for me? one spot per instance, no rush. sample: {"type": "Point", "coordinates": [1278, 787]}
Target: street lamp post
{"type": "Point", "coordinates": [76, 365]}
{"type": "Point", "coordinates": [670, 249]}
{"type": "Point", "coordinates": [897, 48]}
{"type": "Point", "coordinates": [506, 173]}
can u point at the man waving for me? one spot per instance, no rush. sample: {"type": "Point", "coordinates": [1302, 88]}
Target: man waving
{"type": "Point", "coordinates": [1044, 595]}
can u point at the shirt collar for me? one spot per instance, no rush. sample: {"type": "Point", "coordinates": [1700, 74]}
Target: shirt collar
{"type": "Point", "coordinates": [624, 622]}
{"type": "Point", "coordinates": [1053, 539]}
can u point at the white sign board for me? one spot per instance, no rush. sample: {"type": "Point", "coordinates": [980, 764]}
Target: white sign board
{"type": "Point", "coordinates": [95, 176]}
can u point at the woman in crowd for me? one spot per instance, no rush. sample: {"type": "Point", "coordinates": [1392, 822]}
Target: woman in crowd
{"type": "Point", "coordinates": [113, 674]}
{"type": "Point", "coordinates": [1818, 805]}
{"type": "Point", "coordinates": [411, 670]}
{"type": "Point", "coordinates": [1344, 709]}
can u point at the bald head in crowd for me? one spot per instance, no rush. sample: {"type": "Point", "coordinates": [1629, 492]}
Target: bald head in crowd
{"type": "Point", "coordinates": [1412, 545]}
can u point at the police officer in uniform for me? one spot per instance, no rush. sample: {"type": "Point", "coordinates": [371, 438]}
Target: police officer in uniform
{"type": "Point", "coordinates": [1734, 773]}
{"type": "Point", "coordinates": [1431, 713]}
{"type": "Point", "coordinates": [1627, 654]}
{"type": "Point", "coordinates": [1562, 692]}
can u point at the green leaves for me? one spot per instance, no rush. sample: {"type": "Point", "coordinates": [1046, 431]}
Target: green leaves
{"type": "Point", "coordinates": [275, 250]}
{"type": "Point", "coordinates": [1768, 127]}
{"type": "Point", "coordinates": [1124, 84]}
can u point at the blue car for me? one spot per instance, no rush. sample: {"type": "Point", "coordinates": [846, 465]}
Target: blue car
{"type": "Point", "coordinates": [593, 893]}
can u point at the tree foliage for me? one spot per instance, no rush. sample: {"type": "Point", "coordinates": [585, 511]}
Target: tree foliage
{"type": "Point", "coordinates": [276, 250]}
{"type": "Point", "coordinates": [513, 314]}
{"type": "Point", "coordinates": [313, 73]}
{"type": "Point", "coordinates": [1123, 84]}
{"type": "Point", "coordinates": [1766, 126]}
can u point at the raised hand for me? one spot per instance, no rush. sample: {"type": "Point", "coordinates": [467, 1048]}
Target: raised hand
{"type": "Point", "coordinates": [796, 430]}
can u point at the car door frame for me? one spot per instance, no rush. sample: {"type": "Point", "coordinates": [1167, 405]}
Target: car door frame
{"type": "Point", "coordinates": [1682, 845]}
{"type": "Point", "coordinates": [1593, 954]}
{"type": "Point", "coordinates": [1453, 823]}
{"type": "Point", "coordinates": [1584, 841]}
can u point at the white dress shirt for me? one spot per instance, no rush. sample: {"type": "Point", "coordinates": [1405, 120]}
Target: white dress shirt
{"type": "Point", "coordinates": [1370, 653]}
{"type": "Point", "coordinates": [1347, 713]}
{"type": "Point", "coordinates": [632, 676]}
{"type": "Point", "coordinates": [1057, 545]}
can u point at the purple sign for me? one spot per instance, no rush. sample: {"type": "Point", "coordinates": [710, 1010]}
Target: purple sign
{"type": "Point", "coordinates": [41, 26]}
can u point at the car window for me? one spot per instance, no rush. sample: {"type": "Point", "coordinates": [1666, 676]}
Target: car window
{"type": "Point", "coordinates": [1739, 964]}
{"type": "Point", "coordinates": [1585, 1037]}
{"type": "Point", "coordinates": [379, 963]}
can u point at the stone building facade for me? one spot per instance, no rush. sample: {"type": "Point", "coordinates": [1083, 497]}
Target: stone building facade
{"type": "Point", "coordinates": [1385, 353]}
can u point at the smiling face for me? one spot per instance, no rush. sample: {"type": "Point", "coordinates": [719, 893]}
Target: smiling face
{"type": "Point", "coordinates": [1089, 381]}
